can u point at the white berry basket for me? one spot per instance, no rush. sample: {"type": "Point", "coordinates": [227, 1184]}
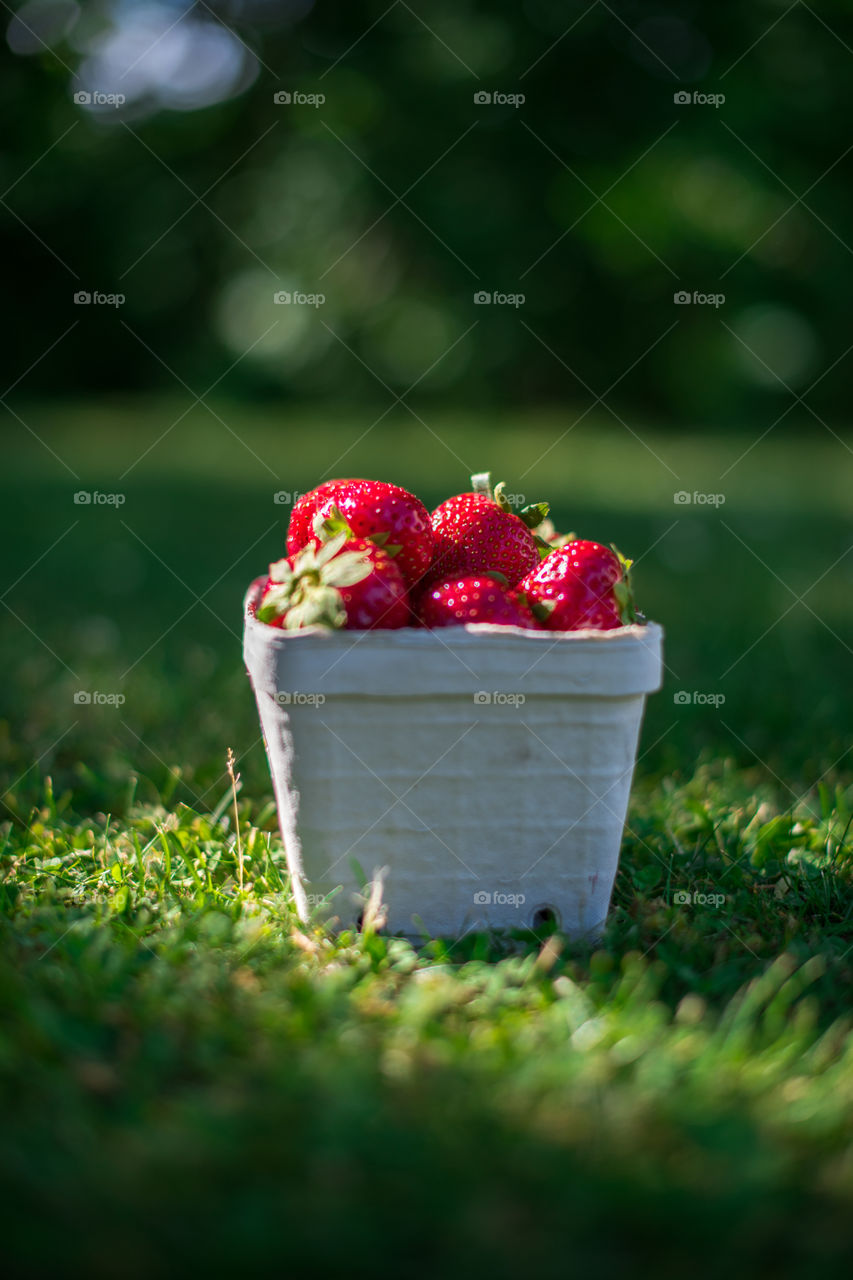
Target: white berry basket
{"type": "Point", "coordinates": [486, 768]}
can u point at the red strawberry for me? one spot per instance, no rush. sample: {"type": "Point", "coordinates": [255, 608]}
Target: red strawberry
{"type": "Point", "coordinates": [582, 584]}
{"type": "Point", "coordinates": [454, 601]}
{"type": "Point", "coordinates": [479, 533]}
{"type": "Point", "coordinates": [345, 582]}
{"type": "Point", "coordinates": [372, 509]}
{"type": "Point", "coordinates": [300, 531]}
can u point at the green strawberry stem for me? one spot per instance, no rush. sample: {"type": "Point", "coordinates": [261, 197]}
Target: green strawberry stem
{"type": "Point", "coordinates": [532, 515]}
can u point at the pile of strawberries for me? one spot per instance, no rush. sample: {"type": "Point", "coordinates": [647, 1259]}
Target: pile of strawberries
{"type": "Point", "coordinates": [363, 554]}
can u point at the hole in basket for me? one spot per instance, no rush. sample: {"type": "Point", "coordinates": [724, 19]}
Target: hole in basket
{"type": "Point", "coordinates": [543, 917]}
{"type": "Point", "coordinates": [359, 925]}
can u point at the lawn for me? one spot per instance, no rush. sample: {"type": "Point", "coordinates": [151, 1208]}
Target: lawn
{"type": "Point", "coordinates": [191, 1079]}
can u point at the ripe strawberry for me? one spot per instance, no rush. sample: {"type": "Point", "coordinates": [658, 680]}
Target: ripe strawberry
{"type": "Point", "coordinates": [478, 533]}
{"type": "Point", "coordinates": [300, 530]}
{"type": "Point", "coordinates": [345, 582]}
{"type": "Point", "coordinates": [384, 513]}
{"type": "Point", "coordinates": [481, 598]}
{"type": "Point", "coordinates": [581, 584]}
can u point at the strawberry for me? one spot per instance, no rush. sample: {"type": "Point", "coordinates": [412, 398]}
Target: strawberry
{"type": "Point", "coordinates": [481, 598]}
{"type": "Point", "coordinates": [344, 582]}
{"type": "Point", "coordinates": [384, 513]}
{"type": "Point", "coordinates": [581, 584]}
{"type": "Point", "coordinates": [478, 532]}
{"type": "Point", "coordinates": [300, 531]}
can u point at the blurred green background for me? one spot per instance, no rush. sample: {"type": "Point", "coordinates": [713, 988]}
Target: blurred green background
{"type": "Point", "coordinates": [399, 196]}
{"type": "Point", "coordinates": [151, 163]}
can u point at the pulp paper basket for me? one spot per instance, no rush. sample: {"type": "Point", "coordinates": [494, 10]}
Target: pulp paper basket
{"type": "Point", "coordinates": [487, 768]}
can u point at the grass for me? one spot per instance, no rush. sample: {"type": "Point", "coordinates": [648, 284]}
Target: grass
{"type": "Point", "coordinates": [191, 1078]}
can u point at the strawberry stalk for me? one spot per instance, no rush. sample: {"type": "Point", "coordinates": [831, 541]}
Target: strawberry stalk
{"type": "Point", "coordinates": [532, 515]}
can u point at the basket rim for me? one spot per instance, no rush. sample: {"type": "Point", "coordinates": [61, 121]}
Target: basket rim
{"type": "Point", "coordinates": [425, 637]}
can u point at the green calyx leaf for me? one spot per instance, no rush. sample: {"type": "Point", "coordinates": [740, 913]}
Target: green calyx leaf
{"type": "Point", "coordinates": [330, 526]}
{"type": "Point", "coordinates": [267, 613]}
{"type": "Point", "coordinates": [328, 551]}
{"type": "Point", "coordinates": [381, 540]}
{"type": "Point", "coordinates": [276, 602]}
{"type": "Point", "coordinates": [623, 591]}
{"type": "Point", "coordinates": [544, 548]}
{"type": "Point", "coordinates": [534, 513]}
{"type": "Point", "coordinates": [309, 593]}
{"type": "Point", "coordinates": [281, 571]}
{"type": "Point", "coordinates": [542, 609]}
{"type": "Point", "coordinates": [321, 607]}
{"type": "Point", "coordinates": [345, 570]}
{"type": "Point", "coordinates": [498, 576]}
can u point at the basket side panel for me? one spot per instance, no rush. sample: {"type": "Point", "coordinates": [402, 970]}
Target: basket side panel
{"type": "Point", "coordinates": [482, 814]}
